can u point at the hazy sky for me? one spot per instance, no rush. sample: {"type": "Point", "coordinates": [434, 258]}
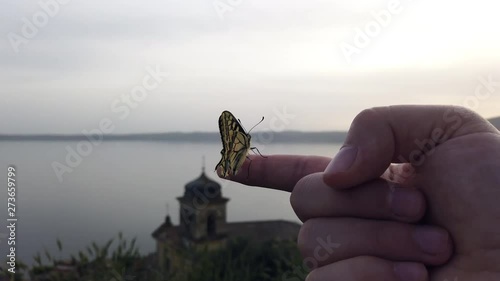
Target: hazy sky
{"type": "Point", "coordinates": [252, 57]}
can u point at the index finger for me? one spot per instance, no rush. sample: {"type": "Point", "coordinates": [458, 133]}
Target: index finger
{"type": "Point", "coordinates": [279, 172]}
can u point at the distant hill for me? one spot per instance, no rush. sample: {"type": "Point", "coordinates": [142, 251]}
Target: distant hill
{"type": "Point", "coordinates": [204, 137]}
{"type": "Point", "coordinates": [495, 122]}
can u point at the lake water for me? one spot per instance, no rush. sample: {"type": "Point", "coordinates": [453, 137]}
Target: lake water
{"type": "Point", "coordinates": [121, 186]}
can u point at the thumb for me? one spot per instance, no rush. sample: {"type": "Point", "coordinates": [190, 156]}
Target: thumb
{"type": "Point", "coordinates": [397, 134]}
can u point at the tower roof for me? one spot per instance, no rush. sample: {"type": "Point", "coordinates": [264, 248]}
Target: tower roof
{"type": "Point", "coordinates": [204, 188]}
{"type": "Point", "coordinates": [202, 181]}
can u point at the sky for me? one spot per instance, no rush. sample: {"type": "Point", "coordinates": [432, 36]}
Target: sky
{"type": "Point", "coordinates": [175, 65]}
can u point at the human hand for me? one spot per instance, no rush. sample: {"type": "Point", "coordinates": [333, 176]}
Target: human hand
{"type": "Point", "coordinates": [370, 218]}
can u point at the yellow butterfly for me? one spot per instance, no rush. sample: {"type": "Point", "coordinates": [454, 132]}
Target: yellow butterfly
{"type": "Point", "coordinates": [235, 144]}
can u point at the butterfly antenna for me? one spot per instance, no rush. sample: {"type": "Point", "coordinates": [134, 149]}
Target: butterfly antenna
{"type": "Point", "coordinates": [256, 124]}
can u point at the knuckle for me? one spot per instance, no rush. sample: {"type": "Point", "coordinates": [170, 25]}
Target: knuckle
{"type": "Point", "coordinates": [369, 114]}
{"type": "Point", "coordinates": [297, 197]}
{"type": "Point", "coordinates": [464, 110]}
{"type": "Point", "coordinates": [365, 114]}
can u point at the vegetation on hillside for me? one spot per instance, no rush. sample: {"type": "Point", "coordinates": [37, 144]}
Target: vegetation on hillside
{"type": "Point", "coordinates": [119, 260]}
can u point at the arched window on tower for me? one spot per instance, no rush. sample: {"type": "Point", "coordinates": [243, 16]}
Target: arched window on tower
{"type": "Point", "coordinates": [211, 226]}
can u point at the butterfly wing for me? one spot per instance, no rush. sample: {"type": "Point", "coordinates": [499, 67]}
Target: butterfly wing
{"type": "Point", "coordinates": [241, 146]}
{"type": "Point", "coordinates": [235, 144]}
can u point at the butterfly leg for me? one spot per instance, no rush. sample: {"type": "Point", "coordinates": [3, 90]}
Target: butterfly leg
{"type": "Point", "coordinates": [249, 164]}
{"type": "Point", "coordinates": [252, 148]}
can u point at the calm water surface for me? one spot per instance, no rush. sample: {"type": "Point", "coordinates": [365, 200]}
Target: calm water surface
{"type": "Point", "coordinates": [121, 186]}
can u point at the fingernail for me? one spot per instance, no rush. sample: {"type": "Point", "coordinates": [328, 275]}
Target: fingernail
{"type": "Point", "coordinates": [431, 241]}
{"type": "Point", "coordinates": [343, 160]}
{"type": "Point", "coordinates": [406, 271]}
{"type": "Point", "coordinates": [405, 202]}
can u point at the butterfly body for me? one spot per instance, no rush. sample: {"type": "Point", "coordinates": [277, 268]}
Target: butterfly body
{"type": "Point", "coordinates": [235, 144]}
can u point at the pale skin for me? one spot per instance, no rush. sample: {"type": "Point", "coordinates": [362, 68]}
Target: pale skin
{"type": "Point", "coordinates": [436, 218]}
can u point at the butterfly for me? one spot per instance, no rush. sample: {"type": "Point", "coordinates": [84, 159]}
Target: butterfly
{"type": "Point", "coordinates": [235, 144]}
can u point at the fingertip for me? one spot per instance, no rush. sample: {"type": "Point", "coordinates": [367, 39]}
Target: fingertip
{"type": "Point", "coordinates": [352, 166]}
{"type": "Point", "coordinates": [366, 153]}
{"type": "Point", "coordinates": [407, 204]}
{"type": "Point", "coordinates": [224, 175]}
{"type": "Point", "coordinates": [339, 166]}
{"type": "Point", "coordinates": [343, 160]}
{"type": "Point", "coordinates": [410, 271]}
{"type": "Point", "coordinates": [219, 173]}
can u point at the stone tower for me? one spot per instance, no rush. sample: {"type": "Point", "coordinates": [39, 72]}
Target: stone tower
{"type": "Point", "coordinates": [203, 214]}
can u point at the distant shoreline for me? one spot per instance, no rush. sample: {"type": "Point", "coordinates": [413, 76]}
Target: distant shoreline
{"type": "Point", "coordinates": [202, 137]}
{"type": "Point", "coordinates": [198, 137]}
